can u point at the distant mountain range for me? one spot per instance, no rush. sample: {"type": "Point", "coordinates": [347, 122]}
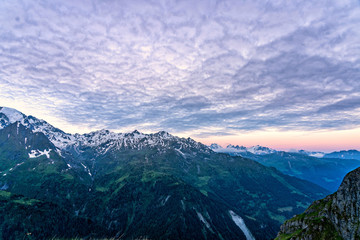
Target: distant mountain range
{"type": "Point", "coordinates": [349, 154]}
{"type": "Point", "coordinates": [260, 150]}
{"type": "Point", "coordinates": [257, 150]}
{"type": "Point", "coordinates": [326, 170]}
{"type": "Point", "coordinates": [134, 185]}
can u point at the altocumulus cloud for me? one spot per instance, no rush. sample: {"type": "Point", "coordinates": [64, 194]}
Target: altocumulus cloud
{"type": "Point", "coordinates": [214, 67]}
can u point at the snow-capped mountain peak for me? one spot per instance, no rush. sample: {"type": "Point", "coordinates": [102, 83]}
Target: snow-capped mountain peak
{"type": "Point", "coordinates": [215, 146]}
{"type": "Point", "coordinates": [9, 116]}
{"type": "Point", "coordinates": [237, 148]}
{"type": "Point", "coordinates": [164, 134]}
{"type": "Point", "coordinates": [59, 138]}
{"type": "Point", "coordinates": [260, 150]}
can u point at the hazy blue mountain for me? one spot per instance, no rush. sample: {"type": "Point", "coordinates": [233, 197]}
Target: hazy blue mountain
{"type": "Point", "coordinates": [325, 172]}
{"type": "Point", "coordinates": [312, 153]}
{"type": "Point", "coordinates": [344, 154]}
{"type": "Point", "coordinates": [134, 185]}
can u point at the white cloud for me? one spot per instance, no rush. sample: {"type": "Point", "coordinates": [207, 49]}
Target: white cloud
{"type": "Point", "coordinates": [183, 66]}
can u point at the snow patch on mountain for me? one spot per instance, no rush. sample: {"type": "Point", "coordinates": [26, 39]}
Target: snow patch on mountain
{"type": "Point", "coordinates": [13, 168]}
{"type": "Point", "coordinates": [203, 220]}
{"type": "Point", "coordinates": [215, 146]}
{"type": "Point", "coordinates": [181, 153]}
{"type": "Point", "coordinates": [86, 169]}
{"type": "Point", "coordinates": [318, 154]}
{"type": "Point", "coordinates": [39, 153]}
{"type": "Point", "coordinates": [241, 224]}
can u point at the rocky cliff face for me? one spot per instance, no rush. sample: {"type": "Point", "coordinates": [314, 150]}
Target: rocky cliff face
{"type": "Point", "coordinates": [335, 217]}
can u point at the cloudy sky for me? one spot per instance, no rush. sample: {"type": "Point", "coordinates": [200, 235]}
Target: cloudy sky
{"type": "Point", "coordinates": [284, 74]}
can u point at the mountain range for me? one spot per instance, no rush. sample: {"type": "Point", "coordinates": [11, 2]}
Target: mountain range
{"type": "Point", "coordinates": [325, 170]}
{"type": "Point", "coordinates": [134, 185]}
{"type": "Point", "coordinates": [260, 150]}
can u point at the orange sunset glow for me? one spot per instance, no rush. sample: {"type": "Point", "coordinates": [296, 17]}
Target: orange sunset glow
{"type": "Point", "coordinates": [326, 141]}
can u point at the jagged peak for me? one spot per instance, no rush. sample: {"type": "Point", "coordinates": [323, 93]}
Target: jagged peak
{"type": "Point", "coordinates": [96, 132]}
{"type": "Point", "coordinates": [59, 138]}
{"type": "Point", "coordinates": [259, 147]}
{"type": "Point", "coordinates": [260, 150]}
{"type": "Point", "coordinates": [351, 180]}
{"type": "Point", "coordinates": [214, 146]}
{"type": "Point", "coordinates": [12, 115]}
{"type": "Point", "coordinates": [236, 147]}
{"type": "Point", "coordinates": [164, 134]}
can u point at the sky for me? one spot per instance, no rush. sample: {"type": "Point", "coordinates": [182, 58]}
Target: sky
{"type": "Point", "coordinates": [283, 74]}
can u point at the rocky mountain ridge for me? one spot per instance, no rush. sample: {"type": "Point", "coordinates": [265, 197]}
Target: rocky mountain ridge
{"type": "Point", "coordinates": [104, 138]}
{"type": "Point", "coordinates": [334, 217]}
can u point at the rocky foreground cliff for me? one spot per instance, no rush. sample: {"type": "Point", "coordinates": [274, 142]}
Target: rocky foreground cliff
{"type": "Point", "coordinates": [335, 217]}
